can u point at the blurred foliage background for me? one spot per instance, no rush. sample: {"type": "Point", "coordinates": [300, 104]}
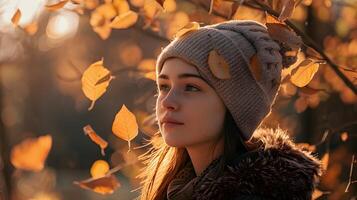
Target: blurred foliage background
{"type": "Point", "coordinates": [45, 50]}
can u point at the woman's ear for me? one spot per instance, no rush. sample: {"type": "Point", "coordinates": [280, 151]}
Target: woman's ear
{"type": "Point", "coordinates": [255, 67]}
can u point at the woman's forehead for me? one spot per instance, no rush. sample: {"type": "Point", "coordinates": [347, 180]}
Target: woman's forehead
{"type": "Point", "coordinates": [175, 66]}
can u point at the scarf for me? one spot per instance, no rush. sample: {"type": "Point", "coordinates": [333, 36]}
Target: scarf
{"type": "Point", "coordinates": [184, 184]}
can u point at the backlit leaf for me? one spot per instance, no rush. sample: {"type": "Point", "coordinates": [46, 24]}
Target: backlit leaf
{"type": "Point", "coordinates": [191, 26]}
{"type": "Point", "coordinates": [88, 130]}
{"type": "Point", "coordinates": [218, 65]}
{"type": "Point", "coordinates": [56, 6]}
{"type": "Point", "coordinates": [303, 74]}
{"type": "Point", "coordinates": [99, 168]}
{"type": "Point", "coordinates": [16, 17]}
{"type": "Point", "coordinates": [31, 153]}
{"type": "Point", "coordinates": [90, 78]}
{"type": "Point", "coordinates": [124, 20]}
{"type": "Point", "coordinates": [103, 185]}
{"type": "Point", "coordinates": [125, 125]}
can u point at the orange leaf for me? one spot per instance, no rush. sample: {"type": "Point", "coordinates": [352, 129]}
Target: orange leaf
{"type": "Point", "coordinates": [99, 168]}
{"type": "Point", "coordinates": [88, 130]}
{"type": "Point", "coordinates": [90, 78]}
{"type": "Point", "coordinates": [125, 125]}
{"type": "Point", "coordinates": [124, 20]}
{"type": "Point", "coordinates": [303, 74]}
{"type": "Point", "coordinates": [122, 6]}
{"type": "Point", "coordinates": [56, 6]}
{"type": "Point", "coordinates": [218, 65]}
{"type": "Point", "coordinates": [16, 17]}
{"type": "Point", "coordinates": [31, 153]}
{"type": "Point", "coordinates": [103, 185]}
{"type": "Point", "coordinates": [191, 26]}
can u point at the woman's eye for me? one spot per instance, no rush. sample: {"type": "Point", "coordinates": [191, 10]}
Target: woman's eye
{"type": "Point", "coordinates": [164, 86]}
{"type": "Point", "coordinates": [191, 86]}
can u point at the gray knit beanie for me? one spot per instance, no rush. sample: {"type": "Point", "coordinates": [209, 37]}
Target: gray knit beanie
{"type": "Point", "coordinates": [247, 98]}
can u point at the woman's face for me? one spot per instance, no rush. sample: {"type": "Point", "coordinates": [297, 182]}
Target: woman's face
{"type": "Point", "coordinates": [186, 98]}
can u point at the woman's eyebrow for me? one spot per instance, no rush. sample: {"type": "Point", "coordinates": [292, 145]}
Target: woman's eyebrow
{"type": "Point", "coordinates": [184, 75]}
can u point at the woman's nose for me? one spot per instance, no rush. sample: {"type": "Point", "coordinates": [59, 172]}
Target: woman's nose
{"type": "Point", "coordinates": [170, 101]}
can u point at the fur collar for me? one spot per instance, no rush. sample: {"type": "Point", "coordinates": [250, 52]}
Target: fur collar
{"type": "Point", "coordinates": [275, 169]}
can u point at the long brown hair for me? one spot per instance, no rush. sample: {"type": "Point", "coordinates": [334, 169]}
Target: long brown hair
{"type": "Point", "coordinates": [164, 162]}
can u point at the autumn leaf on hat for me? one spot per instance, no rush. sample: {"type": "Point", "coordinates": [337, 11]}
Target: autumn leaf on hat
{"type": "Point", "coordinates": [218, 65]}
{"type": "Point", "coordinates": [191, 26]}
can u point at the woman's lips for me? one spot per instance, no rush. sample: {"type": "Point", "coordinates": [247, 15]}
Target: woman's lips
{"type": "Point", "coordinates": [171, 124]}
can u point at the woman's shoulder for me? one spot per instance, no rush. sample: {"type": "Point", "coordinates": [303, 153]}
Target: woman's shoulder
{"type": "Point", "coordinates": [275, 169]}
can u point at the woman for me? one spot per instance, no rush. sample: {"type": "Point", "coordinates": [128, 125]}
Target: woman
{"type": "Point", "coordinates": [215, 86]}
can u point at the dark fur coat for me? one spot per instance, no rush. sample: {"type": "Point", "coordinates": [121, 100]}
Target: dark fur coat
{"type": "Point", "coordinates": [275, 169]}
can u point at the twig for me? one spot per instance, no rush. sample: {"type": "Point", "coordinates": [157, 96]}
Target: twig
{"type": "Point", "coordinates": [351, 173]}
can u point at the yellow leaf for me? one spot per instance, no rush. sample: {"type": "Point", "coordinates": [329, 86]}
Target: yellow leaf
{"type": "Point", "coordinates": [16, 17]}
{"type": "Point", "coordinates": [124, 20]}
{"type": "Point", "coordinates": [125, 125]}
{"type": "Point", "coordinates": [303, 74]}
{"type": "Point", "coordinates": [218, 65]}
{"type": "Point", "coordinates": [90, 78]}
{"type": "Point", "coordinates": [122, 6]}
{"type": "Point", "coordinates": [56, 6]}
{"type": "Point", "coordinates": [169, 5]}
{"type": "Point", "coordinates": [31, 153]}
{"type": "Point", "coordinates": [187, 28]}
{"type": "Point", "coordinates": [106, 10]}
{"type": "Point", "coordinates": [99, 168]}
{"type": "Point", "coordinates": [88, 130]}
{"type": "Point", "coordinates": [104, 185]}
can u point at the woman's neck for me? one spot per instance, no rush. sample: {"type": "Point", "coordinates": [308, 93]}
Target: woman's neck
{"type": "Point", "coordinates": [202, 155]}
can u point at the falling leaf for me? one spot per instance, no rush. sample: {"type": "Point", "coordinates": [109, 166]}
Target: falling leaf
{"type": "Point", "coordinates": [104, 185]}
{"type": "Point", "coordinates": [107, 10]}
{"type": "Point", "coordinates": [88, 130]}
{"type": "Point", "coordinates": [287, 10]}
{"type": "Point", "coordinates": [125, 125]}
{"type": "Point", "coordinates": [218, 65]}
{"type": "Point", "coordinates": [255, 67]}
{"type": "Point", "coordinates": [344, 136]}
{"type": "Point", "coordinates": [31, 153]}
{"type": "Point", "coordinates": [325, 161]}
{"type": "Point", "coordinates": [56, 6]}
{"type": "Point", "coordinates": [124, 20]}
{"type": "Point", "coordinates": [191, 26]}
{"type": "Point", "coordinates": [303, 74]}
{"type": "Point", "coordinates": [16, 17]}
{"type": "Point", "coordinates": [90, 78]}
{"type": "Point", "coordinates": [99, 169]}
{"type": "Point", "coordinates": [122, 6]}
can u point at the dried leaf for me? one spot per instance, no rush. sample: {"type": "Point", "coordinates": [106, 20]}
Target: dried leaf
{"type": "Point", "coordinates": [122, 6]}
{"type": "Point", "coordinates": [303, 74]}
{"type": "Point", "coordinates": [56, 6]}
{"type": "Point", "coordinates": [218, 65]}
{"type": "Point", "coordinates": [125, 125]}
{"type": "Point", "coordinates": [88, 130]}
{"type": "Point", "coordinates": [287, 10]}
{"type": "Point", "coordinates": [99, 169]}
{"type": "Point", "coordinates": [90, 78]}
{"type": "Point", "coordinates": [107, 10]}
{"type": "Point", "coordinates": [191, 26]}
{"type": "Point", "coordinates": [124, 20]}
{"type": "Point", "coordinates": [16, 17]}
{"type": "Point", "coordinates": [255, 67]}
{"type": "Point", "coordinates": [104, 185]}
{"type": "Point", "coordinates": [31, 153]}
{"type": "Point", "coordinates": [282, 33]}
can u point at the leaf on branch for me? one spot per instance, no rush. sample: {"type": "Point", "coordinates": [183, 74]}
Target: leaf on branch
{"type": "Point", "coordinates": [94, 73]}
{"type": "Point", "coordinates": [282, 33]}
{"type": "Point", "coordinates": [16, 17]}
{"type": "Point", "coordinates": [218, 65]}
{"type": "Point", "coordinates": [304, 72]}
{"type": "Point", "coordinates": [56, 6]}
{"type": "Point", "coordinates": [125, 125]}
{"type": "Point", "coordinates": [287, 9]}
{"type": "Point", "coordinates": [31, 153]}
{"type": "Point", "coordinates": [191, 26]}
{"type": "Point", "coordinates": [124, 20]}
{"type": "Point", "coordinates": [88, 130]}
{"type": "Point", "coordinates": [103, 185]}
